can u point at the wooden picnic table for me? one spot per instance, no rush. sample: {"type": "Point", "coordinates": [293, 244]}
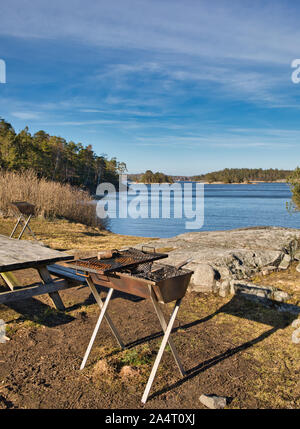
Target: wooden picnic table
{"type": "Point", "coordinates": [21, 254]}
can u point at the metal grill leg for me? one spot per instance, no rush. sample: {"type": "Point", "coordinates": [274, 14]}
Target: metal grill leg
{"type": "Point", "coordinates": [96, 328]}
{"type": "Point", "coordinates": [108, 319]}
{"type": "Point", "coordinates": [164, 327]}
{"type": "Point", "coordinates": [161, 350]}
{"type": "Point", "coordinates": [15, 227]}
{"type": "Point", "coordinates": [24, 227]}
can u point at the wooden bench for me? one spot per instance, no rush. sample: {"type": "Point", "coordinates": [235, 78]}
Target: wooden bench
{"type": "Point", "coordinates": [29, 291]}
{"type": "Point", "coordinates": [69, 276]}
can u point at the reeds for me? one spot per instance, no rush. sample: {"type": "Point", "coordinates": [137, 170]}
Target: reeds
{"type": "Point", "coordinates": [51, 199]}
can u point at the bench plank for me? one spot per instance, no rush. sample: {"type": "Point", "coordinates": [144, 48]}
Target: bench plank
{"type": "Point", "coordinates": [30, 291]}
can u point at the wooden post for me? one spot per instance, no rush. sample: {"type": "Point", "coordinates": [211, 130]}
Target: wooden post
{"type": "Point", "coordinates": [46, 277]}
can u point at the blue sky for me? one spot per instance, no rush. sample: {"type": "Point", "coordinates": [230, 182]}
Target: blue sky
{"type": "Point", "coordinates": [180, 87]}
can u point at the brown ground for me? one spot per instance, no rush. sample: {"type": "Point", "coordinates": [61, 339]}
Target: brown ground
{"type": "Point", "coordinates": [229, 346]}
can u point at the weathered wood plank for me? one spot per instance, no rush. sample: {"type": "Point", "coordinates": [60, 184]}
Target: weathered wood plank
{"type": "Point", "coordinates": [9, 279]}
{"type": "Point", "coordinates": [30, 291]}
{"type": "Point", "coordinates": [21, 254]}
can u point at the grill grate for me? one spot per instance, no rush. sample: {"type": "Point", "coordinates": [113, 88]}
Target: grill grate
{"type": "Point", "coordinates": [123, 259]}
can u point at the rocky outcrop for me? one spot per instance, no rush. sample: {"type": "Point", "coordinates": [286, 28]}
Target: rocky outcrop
{"type": "Point", "coordinates": [220, 256]}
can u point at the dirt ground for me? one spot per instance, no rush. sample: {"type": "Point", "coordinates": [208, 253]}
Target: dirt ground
{"type": "Point", "coordinates": [228, 346]}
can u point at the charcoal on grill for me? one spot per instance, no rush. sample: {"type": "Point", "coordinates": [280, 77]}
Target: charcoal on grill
{"type": "Point", "coordinates": [155, 273]}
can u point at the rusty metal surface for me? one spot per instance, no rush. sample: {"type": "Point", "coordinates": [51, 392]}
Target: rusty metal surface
{"type": "Point", "coordinates": [22, 207]}
{"type": "Point", "coordinates": [123, 259]}
{"type": "Point", "coordinates": [166, 289]}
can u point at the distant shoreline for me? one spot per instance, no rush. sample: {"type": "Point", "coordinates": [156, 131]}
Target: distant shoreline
{"type": "Point", "coordinates": [255, 182]}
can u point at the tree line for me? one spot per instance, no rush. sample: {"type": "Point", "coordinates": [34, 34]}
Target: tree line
{"type": "Point", "coordinates": [240, 175]}
{"type": "Point", "coordinates": [56, 159]}
{"type": "Point", "coordinates": [150, 177]}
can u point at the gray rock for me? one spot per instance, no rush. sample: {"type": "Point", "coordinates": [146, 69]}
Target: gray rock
{"type": "Point", "coordinates": [224, 272]}
{"type": "Point", "coordinates": [284, 264]}
{"type": "Point", "coordinates": [297, 255]}
{"type": "Point", "coordinates": [216, 287]}
{"type": "Point", "coordinates": [224, 288]}
{"type": "Point", "coordinates": [250, 290]}
{"type": "Point", "coordinates": [296, 323]}
{"type": "Point", "coordinates": [236, 254]}
{"type": "Point", "coordinates": [212, 401]}
{"type": "Point", "coordinates": [267, 270]}
{"type": "Point", "coordinates": [203, 279]}
{"type": "Point", "coordinates": [296, 336]}
{"type": "Point", "coordinates": [281, 296]}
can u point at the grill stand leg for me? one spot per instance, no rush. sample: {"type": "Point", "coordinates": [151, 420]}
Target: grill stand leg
{"type": "Point", "coordinates": [99, 321]}
{"type": "Point", "coordinates": [163, 323]}
{"type": "Point", "coordinates": [108, 319]}
{"type": "Point", "coordinates": [25, 224]}
{"type": "Point", "coordinates": [167, 328]}
{"type": "Point", "coordinates": [15, 227]}
{"type": "Point", "coordinates": [161, 350]}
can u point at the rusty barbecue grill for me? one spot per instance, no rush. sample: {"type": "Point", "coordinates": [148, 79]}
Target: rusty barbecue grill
{"type": "Point", "coordinates": [132, 271]}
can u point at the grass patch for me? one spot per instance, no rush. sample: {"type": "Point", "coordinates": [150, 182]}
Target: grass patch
{"type": "Point", "coordinates": [137, 357]}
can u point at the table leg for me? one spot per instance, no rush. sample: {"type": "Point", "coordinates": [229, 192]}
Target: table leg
{"type": "Point", "coordinates": [9, 279]}
{"type": "Point", "coordinates": [161, 350]}
{"type": "Point", "coordinates": [103, 310]}
{"type": "Point", "coordinates": [46, 277]}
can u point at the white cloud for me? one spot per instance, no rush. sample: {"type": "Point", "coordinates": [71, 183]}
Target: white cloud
{"type": "Point", "coordinates": [25, 115]}
{"type": "Point", "coordinates": [254, 31]}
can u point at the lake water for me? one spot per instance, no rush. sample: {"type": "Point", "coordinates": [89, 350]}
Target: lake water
{"type": "Point", "coordinates": [225, 207]}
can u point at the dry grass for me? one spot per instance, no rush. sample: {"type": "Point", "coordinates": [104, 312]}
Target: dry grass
{"type": "Point", "coordinates": [65, 235]}
{"type": "Point", "coordinates": [51, 199]}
